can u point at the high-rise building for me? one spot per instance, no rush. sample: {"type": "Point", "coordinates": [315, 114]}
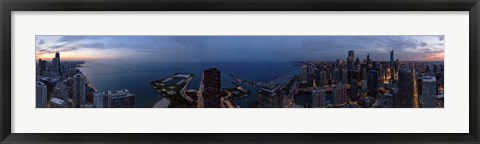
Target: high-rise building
{"type": "Point", "coordinates": [55, 66]}
{"type": "Point", "coordinates": [368, 60]}
{"type": "Point", "coordinates": [336, 76]}
{"type": "Point", "coordinates": [317, 77]}
{"type": "Point", "coordinates": [372, 83]}
{"type": "Point", "coordinates": [270, 98]}
{"type": "Point", "coordinates": [350, 64]}
{"type": "Point", "coordinates": [397, 67]}
{"type": "Point", "coordinates": [333, 66]}
{"type": "Point", "coordinates": [304, 74]}
{"type": "Point", "coordinates": [57, 55]}
{"type": "Point", "coordinates": [364, 85]}
{"type": "Point", "coordinates": [344, 76]}
{"type": "Point", "coordinates": [78, 90]}
{"type": "Point", "coordinates": [41, 95]}
{"type": "Point", "coordinates": [276, 94]}
{"type": "Point", "coordinates": [381, 72]}
{"type": "Point", "coordinates": [56, 63]}
{"type": "Point", "coordinates": [429, 91]}
{"type": "Point", "coordinates": [392, 65]}
{"type": "Point", "coordinates": [339, 93]}
{"type": "Point", "coordinates": [61, 91]}
{"type": "Point", "coordinates": [357, 63]}
{"type": "Point", "coordinates": [405, 88]}
{"type": "Point", "coordinates": [114, 99]}
{"type": "Point", "coordinates": [42, 66]}
{"type": "Point", "coordinates": [353, 89]}
{"type": "Point", "coordinates": [318, 97]}
{"type": "Point", "coordinates": [321, 78]}
{"type": "Point", "coordinates": [98, 100]}
{"type": "Point", "coordinates": [364, 74]}
{"type": "Point", "coordinates": [211, 88]}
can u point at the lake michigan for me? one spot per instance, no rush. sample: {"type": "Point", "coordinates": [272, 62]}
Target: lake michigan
{"type": "Point", "coordinates": [136, 76]}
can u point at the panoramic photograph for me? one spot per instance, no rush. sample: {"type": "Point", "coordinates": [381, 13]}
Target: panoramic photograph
{"type": "Point", "coordinates": [115, 71]}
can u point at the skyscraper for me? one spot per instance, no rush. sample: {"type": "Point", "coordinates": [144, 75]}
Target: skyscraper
{"type": "Point", "coordinates": [351, 54]}
{"type": "Point", "coordinates": [344, 76]}
{"type": "Point", "coordinates": [354, 89]}
{"type": "Point", "coordinates": [211, 88]}
{"type": "Point", "coordinates": [323, 78]}
{"type": "Point", "coordinates": [339, 93]}
{"type": "Point", "coordinates": [98, 100]}
{"type": "Point", "coordinates": [336, 76]}
{"type": "Point", "coordinates": [350, 64]}
{"type": "Point", "coordinates": [56, 63]}
{"type": "Point", "coordinates": [318, 97]}
{"type": "Point", "coordinates": [78, 90]}
{"type": "Point", "coordinates": [41, 95]}
{"type": "Point", "coordinates": [357, 61]}
{"type": "Point", "coordinates": [397, 67]}
{"type": "Point", "coordinates": [429, 91]}
{"type": "Point", "coordinates": [381, 72]}
{"type": "Point", "coordinates": [392, 66]}
{"type": "Point", "coordinates": [405, 88]}
{"type": "Point", "coordinates": [61, 91]}
{"type": "Point", "coordinates": [368, 60]}
{"type": "Point", "coordinates": [114, 99]}
{"type": "Point", "coordinates": [304, 74]}
{"type": "Point", "coordinates": [364, 74]}
{"type": "Point", "coordinates": [278, 92]}
{"type": "Point", "coordinates": [42, 66]}
{"type": "Point", "coordinates": [55, 66]}
{"type": "Point", "coordinates": [372, 83]}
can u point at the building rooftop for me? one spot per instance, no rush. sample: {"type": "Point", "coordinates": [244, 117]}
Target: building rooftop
{"type": "Point", "coordinates": [429, 79]}
{"type": "Point", "coordinates": [277, 83]}
{"type": "Point", "coordinates": [440, 96]}
{"type": "Point", "coordinates": [40, 84]}
{"type": "Point", "coordinates": [122, 92]}
{"type": "Point", "coordinates": [57, 101]}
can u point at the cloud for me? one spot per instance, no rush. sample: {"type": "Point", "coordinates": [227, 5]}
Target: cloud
{"type": "Point", "coordinates": [441, 38]}
{"type": "Point", "coordinates": [145, 51]}
{"type": "Point", "coordinates": [97, 45]}
{"type": "Point", "coordinates": [40, 42]}
{"type": "Point", "coordinates": [211, 48]}
{"type": "Point", "coordinates": [64, 49]}
{"type": "Point", "coordinates": [435, 56]}
{"type": "Point", "coordinates": [70, 39]}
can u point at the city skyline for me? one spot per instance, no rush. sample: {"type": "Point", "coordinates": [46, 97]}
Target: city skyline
{"type": "Point", "coordinates": [368, 77]}
{"type": "Point", "coordinates": [239, 48]}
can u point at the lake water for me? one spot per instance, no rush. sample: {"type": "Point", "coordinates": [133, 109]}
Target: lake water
{"type": "Point", "coordinates": [136, 76]}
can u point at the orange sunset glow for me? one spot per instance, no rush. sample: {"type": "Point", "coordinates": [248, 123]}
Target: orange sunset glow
{"type": "Point", "coordinates": [434, 57]}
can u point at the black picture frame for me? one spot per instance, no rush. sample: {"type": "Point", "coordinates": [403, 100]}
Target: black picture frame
{"type": "Point", "coordinates": [7, 6]}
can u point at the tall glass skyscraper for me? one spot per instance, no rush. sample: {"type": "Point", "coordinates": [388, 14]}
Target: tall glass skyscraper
{"type": "Point", "coordinates": [372, 83]}
{"type": "Point", "coordinates": [78, 90]}
{"type": "Point", "coordinates": [41, 95]}
{"type": "Point", "coordinates": [211, 88]}
{"type": "Point", "coordinates": [405, 88]}
{"type": "Point", "coordinates": [429, 91]}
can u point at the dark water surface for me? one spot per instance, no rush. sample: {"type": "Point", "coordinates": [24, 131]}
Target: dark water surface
{"type": "Point", "coordinates": [136, 76]}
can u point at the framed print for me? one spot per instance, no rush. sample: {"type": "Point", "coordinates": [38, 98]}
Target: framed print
{"type": "Point", "coordinates": [286, 71]}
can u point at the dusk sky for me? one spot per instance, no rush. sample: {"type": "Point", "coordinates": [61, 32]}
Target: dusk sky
{"type": "Point", "coordinates": [238, 48]}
